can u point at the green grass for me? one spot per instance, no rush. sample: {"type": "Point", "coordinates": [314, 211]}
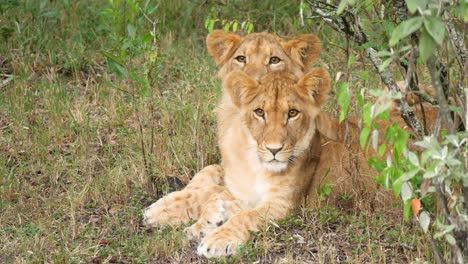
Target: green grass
{"type": "Point", "coordinates": [73, 175]}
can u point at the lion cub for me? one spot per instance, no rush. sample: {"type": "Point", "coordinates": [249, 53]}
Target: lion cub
{"type": "Point", "coordinates": [270, 150]}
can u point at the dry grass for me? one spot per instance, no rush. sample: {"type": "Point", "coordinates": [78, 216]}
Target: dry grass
{"type": "Point", "coordinates": [74, 178]}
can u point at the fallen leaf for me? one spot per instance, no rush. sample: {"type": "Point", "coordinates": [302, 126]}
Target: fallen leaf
{"type": "Point", "coordinates": [416, 206]}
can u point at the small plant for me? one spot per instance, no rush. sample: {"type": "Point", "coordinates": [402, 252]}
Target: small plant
{"type": "Point", "coordinates": [227, 25]}
{"type": "Point", "coordinates": [134, 57]}
{"type": "Point", "coordinates": [324, 190]}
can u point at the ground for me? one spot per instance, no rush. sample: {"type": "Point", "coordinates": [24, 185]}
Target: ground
{"type": "Point", "coordinates": [83, 151]}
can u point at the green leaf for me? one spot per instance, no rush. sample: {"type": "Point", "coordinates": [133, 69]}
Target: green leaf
{"type": "Point", "coordinates": [413, 158]}
{"type": "Point", "coordinates": [401, 140]}
{"type": "Point", "coordinates": [406, 191]}
{"type": "Point", "coordinates": [343, 100]}
{"type": "Point", "coordinates": [366, 114]}
{"type": "Point", "coordinates": [211, 25]}
{"type": "Point", "coordinates": [364, 135]}
{"type": "Point", "coordinates": [426, 46]}
{"type": "Point", "coordinates": [385, 64]}
{"type": "Point", "coordinates": [407, 210]}
{"type": "Point", "coordinates": [414, 4]}
{"type": "Point", "coordinates": [377, 164]}
{"type": "Point", "coordinates": [226, 27]}
{"type": "Point", "coordinates": [250, 27]}
{"type": "Point", "coordinates": [117, 68]}
{"type": "Point", "coordinates": [450, 239]}
{"type": "Point", "coordinates": [235, 25]}
{"type": "Point", "coordinates": [382, 108]}
{"type": "Point", "coordinates": [406, 177]}
{"type": "Point", "coordinates": [424, 220]}
{"type": "Point", "coordinates": [360, 97]}
{"type": "Point", "coordinates": [435, 27]}
{"type": "Point", "coordinates": [382, 149]}
{"type": "Point", "coordinates": [343, 4]}
{"type": "Point", "coordinates": [405, 28]}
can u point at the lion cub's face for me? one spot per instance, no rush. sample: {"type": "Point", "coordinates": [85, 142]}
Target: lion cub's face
{"type": "Point", "coordinates": [259, 53]}
{"type": "Point", "coordinates": [279, 112]}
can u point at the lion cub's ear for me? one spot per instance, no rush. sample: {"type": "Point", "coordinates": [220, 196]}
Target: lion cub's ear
{"type": "Point", "coordinates": [316, 84]}
{"type": "Point", "coordinates": [221, 45]}
{"type": "Point", "coordinates": [240, 87]}
{"type": "Point", "coordinates": [303, 49]}
{"type": "Point", "coordinates": [328, 126]}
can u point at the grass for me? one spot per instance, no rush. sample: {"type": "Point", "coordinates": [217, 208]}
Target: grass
{"type": "Point", "coordinates": [73, 175]}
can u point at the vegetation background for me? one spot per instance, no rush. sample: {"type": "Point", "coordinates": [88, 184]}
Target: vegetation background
{"type": "Point", "coordinates": [106, 106]}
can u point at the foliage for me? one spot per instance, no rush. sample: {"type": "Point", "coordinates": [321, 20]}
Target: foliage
{"type": "Point", "coordinates": [227, 25]}
{"type": "Point", "coordinates": [127, 25]}
{"type": "Point", "coordinates": [437, 172]}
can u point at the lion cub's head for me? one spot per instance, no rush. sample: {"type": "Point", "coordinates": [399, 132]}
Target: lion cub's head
{"type": "Point", "coordinates": [259, 53]}
{"type": "Point", "coordinates": [279, 112]}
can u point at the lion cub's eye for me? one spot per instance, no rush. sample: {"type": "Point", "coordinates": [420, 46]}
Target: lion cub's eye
{"type": "Point", "coordinates": [259, 112]}
{"type": "Point", "coordinates": [274, 60]}
{"type": "Point", "coordinates": [240, 59]}
{"type": "Point", "coordinates": [292, 113]}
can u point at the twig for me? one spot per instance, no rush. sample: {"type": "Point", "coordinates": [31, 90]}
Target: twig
{"type": "Point", "coordinates": [436, 83]}
{"type": "Point", "coordinates": [142, 142]}
{"type": "Point", "coordinates": [301, 14]}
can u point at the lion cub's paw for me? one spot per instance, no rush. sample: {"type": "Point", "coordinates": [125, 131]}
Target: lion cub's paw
{"type": "Point", "coordinates": [200, 229]}
{"type": "Point", "coordinates": [164, 211]}
{"type": "Point", "coordinates": [154, 215]}
{"type": "Point", "coordinates": [213, 216]}
{"type": "Point", "coordinates": [221, 243]}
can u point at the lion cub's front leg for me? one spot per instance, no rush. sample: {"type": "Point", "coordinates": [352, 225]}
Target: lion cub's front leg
{"type": "Point", "coordinates": [181, 206]}
{"type": "Point", "coordinates": [225, 240]}
{"type": "Point", "coordinates": [217, 210]}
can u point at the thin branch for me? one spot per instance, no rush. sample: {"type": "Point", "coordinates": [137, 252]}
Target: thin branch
{"type": "Point", "coordinates": [437, 84]}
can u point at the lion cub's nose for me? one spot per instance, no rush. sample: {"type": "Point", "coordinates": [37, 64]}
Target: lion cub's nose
{"type": "Point", "coordinates": [274, 149]}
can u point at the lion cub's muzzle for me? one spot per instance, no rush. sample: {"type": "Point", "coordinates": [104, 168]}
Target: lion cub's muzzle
{"type": "Point", "coordinates": [274, 157]}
